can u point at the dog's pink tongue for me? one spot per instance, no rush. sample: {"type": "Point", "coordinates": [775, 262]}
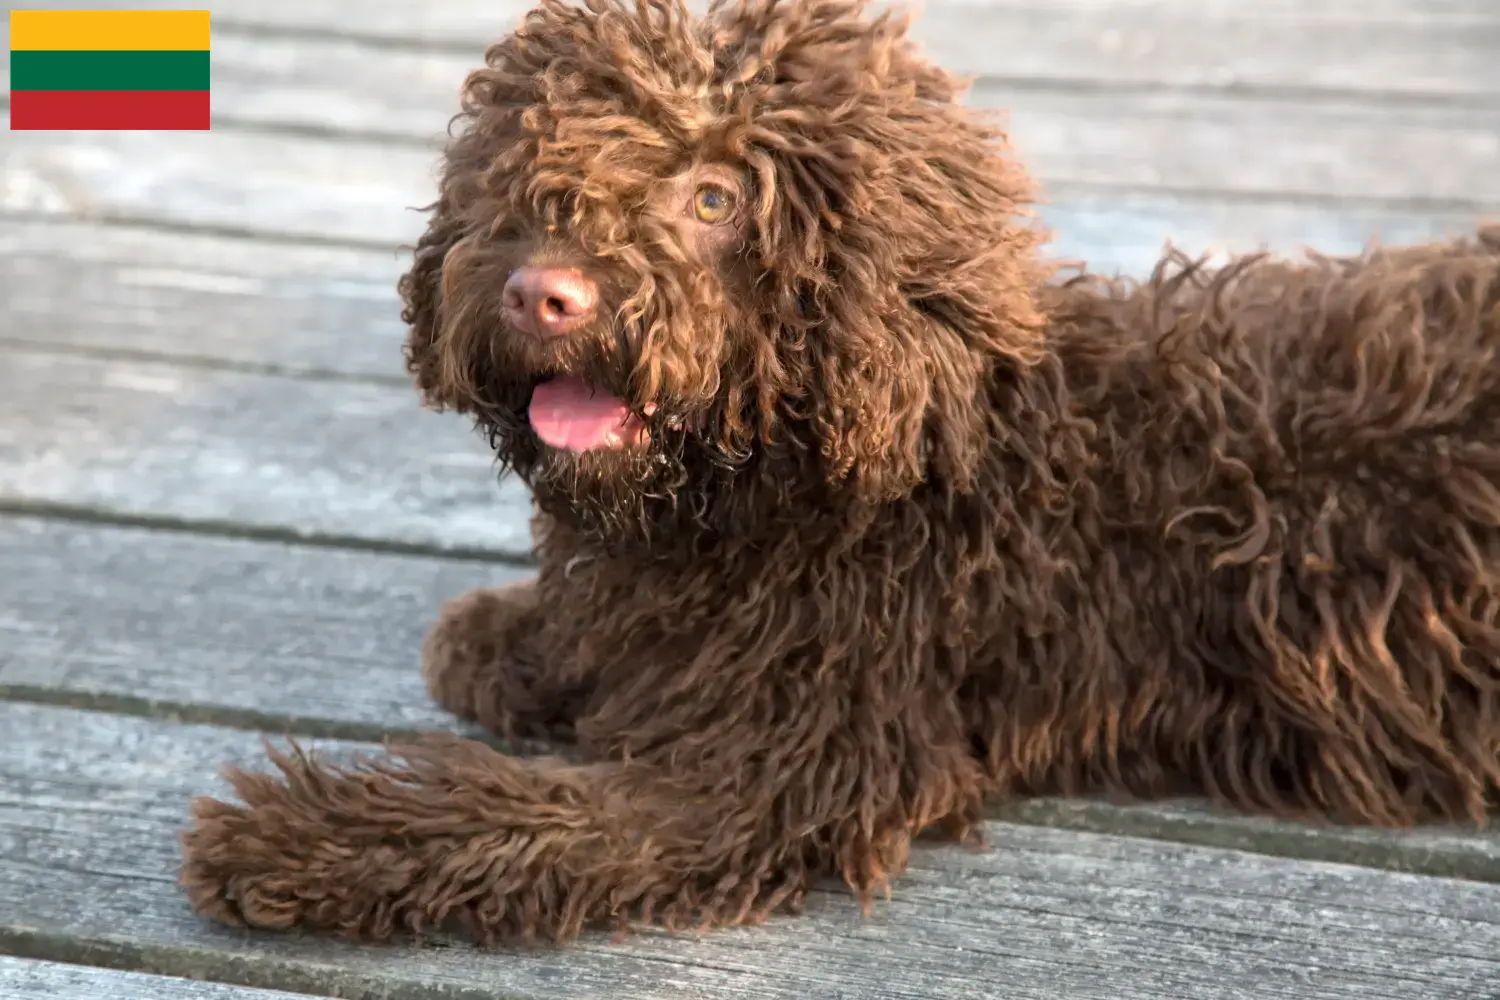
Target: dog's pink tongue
{"type": "Point", "coordinates": [569, 413]}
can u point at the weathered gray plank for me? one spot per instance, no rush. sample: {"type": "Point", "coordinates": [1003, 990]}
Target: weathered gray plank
{"type": "Point", "coordinates": [1448, 852]}
{"type": "Point", "coordinates": [1121, 232]}
{"type": "Point", "coordinates": [1114, 138]}
{"type": "Point", "coordinates": [1047, 913]}
{"type": "Point", "coordinates": [1245, 49]}
{"type": "Point", "coordinates": [1401, 47]}
{"type": "Point", "coordinates": [260, 304]}
{"type": "Point", "coordinates": [309, 456]}
{"type": "Point", "coordinates": [1260, 148]}
{"type": "Point", "coordinates": [279, 637]}
{"type": "Point", "coordinates": [23, 979]}
{"type": "Point", "coordinates": [1149, 142]}
{"type": "Point", "coordinates": [318, 189]}
{"type": "Point", "coordinates": [285, 638]}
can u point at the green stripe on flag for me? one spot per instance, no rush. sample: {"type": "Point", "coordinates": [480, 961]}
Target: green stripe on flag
{"type": "Point", "coordinates": [120, 70]}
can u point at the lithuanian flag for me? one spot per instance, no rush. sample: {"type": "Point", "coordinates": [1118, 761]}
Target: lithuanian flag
{"type": "Point", "coordinates": [109, 69]}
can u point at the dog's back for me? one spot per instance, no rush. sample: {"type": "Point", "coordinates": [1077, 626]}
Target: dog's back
{"type": "Point", "coordinates": [1297, 481]}
{"type": "Point", "coordinates": [1382, 369]}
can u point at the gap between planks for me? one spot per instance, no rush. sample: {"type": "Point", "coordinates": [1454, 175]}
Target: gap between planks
{"type": "Point", "coordinates": [154, 441]}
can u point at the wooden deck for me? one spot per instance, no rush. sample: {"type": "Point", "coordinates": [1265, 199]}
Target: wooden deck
{"type": "Point", "coordinates": [222, 512]}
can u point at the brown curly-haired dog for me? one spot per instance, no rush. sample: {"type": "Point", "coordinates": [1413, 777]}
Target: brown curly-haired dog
{"type": "Point", "coordinates": [853, 511]}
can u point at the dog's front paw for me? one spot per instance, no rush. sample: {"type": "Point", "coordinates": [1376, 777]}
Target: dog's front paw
{"type": "Point", "coordinates": [234, 873]}
{"type": "Point", "coordinates": [470, 661]}
{"type": "Point", "coordinates": [287, 857]}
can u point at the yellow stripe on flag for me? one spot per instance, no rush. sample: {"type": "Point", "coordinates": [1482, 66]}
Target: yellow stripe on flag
{"type": "Point", "coordinates": [94, 30]}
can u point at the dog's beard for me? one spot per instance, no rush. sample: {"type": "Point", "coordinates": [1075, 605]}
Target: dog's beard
{"type": "Point", "coordinates": [612, 495]}
{"type": "Point", "coordinates": [605, 468]}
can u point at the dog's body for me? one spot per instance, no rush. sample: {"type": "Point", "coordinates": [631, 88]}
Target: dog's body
{"type": "Point", "coordinates": [889, 518]}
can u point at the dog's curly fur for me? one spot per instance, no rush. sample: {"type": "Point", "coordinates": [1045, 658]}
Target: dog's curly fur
{"type": "Point", "coordinates": [922, 519]}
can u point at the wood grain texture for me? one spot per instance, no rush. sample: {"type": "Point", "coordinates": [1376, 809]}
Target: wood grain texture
{"type": "Point", "coordinates": [23, 979]}
{"type": "Point", "coordinates": [285, 638]}
{"type": "Point", "coordinates": [1395, 47]}
{"type": "Point", "coordinates": [318, 189]}
{"type": "Point", "coordinates": [203, 298]}
{"type": "Point", "coordinates": [1046, 913]}
{"type": "Point", "coordinates": [279, 637]}
{"type": "Point", "coordinates": [1336, 151]}
{"type": "Point", "coordinates": [1111, 137]}
{"type": "Point", "coordinates": [310, 456]}
{"type": "Point", "coordinates": [1459, 852]}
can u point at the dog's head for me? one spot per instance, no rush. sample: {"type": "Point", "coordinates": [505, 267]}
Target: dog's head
{"type": "Point", "coordinates": [668, 248]}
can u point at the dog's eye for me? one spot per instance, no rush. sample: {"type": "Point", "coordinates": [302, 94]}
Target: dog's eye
{"type": "Point", "coordinates": [712, 204]}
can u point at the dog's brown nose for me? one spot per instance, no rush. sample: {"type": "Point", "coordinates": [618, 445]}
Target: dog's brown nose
{"type": "Point", "coordinates": [548, 301]}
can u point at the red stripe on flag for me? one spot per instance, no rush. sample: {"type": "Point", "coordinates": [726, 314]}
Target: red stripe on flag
{"type": "Point", "coordinates": [34, 110]}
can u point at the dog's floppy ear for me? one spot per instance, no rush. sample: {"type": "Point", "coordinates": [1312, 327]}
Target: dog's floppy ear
{"type": "Point", "coordinates": [421, 289]}
{"type": "Point", "coordinates": [901, 274]}
{"type": "Point", "coordinates": [901, 375]}
{"type": "Point", "coordinates": [904, 290]}
{"type": "Point", "coordinates": [440, 310]}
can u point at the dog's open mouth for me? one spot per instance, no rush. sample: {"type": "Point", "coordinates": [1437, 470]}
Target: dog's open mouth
{"type": "Point", "coordinates": [570, 414]}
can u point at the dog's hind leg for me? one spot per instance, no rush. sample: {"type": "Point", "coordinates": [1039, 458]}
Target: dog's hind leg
{"type": "Point", "coordinates": [1374, 696]}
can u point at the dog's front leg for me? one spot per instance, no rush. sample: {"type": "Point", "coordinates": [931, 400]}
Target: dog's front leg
{"type": "Point", "coordinates": [455, 833]}
{"type": "Point", "coordinates": [449, 831]}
